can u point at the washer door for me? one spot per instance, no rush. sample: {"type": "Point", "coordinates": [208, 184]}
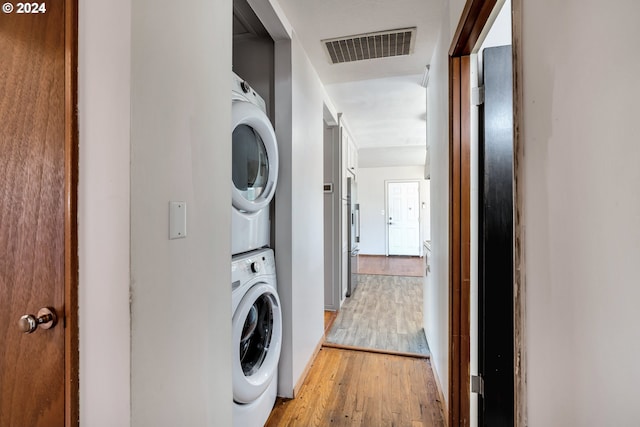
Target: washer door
{"type": "Point", "coordinates": [254, 157]}
{"type": "Point", "coordinates": [257, 337]}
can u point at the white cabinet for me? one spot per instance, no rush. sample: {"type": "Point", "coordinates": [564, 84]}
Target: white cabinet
{"type": "Point", "coordinates": [349, 154]}
{"type": "Point", "coordinates": [344, 162]}
{"type": "Point", "coordinates": [352, 157]}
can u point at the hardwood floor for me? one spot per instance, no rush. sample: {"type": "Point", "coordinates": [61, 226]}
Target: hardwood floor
{"type": "Point", "coordinates": [355, 388]}
{"type": "Point", "coordinates": [391, 265]}
{"type": "Point", "coordinates": [360, 388]}
{"type": "Point", "coordinates": [329, 318]}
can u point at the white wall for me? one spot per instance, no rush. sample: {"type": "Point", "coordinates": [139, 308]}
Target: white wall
{"type": "Point", "coordinates": [179, 73]}
{"type": "Point", "coordinates": [436, 292]}
{"type": "Point", "coordinates": [181, 150]}
{"type": "Point", "coordinates": [372, 157]}
{"type": "Point", "coordinates": [103, 211]}
{"type": "Point", "coordinates": [581, 212]}
{"type": "Point", "coordinates": [299, 218]}
{"type": "Point", "coordinates": [371, 196]}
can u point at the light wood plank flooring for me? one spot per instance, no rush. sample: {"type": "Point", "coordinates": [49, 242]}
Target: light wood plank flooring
{"type": "Point", "coordinates": [384, 313]}
{"type": "Point", "coordinates": [355, 388]}
{"type": "Point", "coordinates": [391, 265]}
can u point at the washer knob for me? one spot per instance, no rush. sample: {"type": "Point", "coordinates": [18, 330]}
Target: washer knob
{"type": "Point", "coordinates": [245, 87]}
{"type": "Point", "coordinates": [255, 267]}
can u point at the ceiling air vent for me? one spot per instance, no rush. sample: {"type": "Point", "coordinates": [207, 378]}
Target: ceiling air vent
{"type": "Point", "coordinates": [381, 44]}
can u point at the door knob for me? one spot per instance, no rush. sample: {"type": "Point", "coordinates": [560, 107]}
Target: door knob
{"type": "Point", "coordinates": [46, 319]}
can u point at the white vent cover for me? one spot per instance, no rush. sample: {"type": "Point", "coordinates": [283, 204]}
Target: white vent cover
{"type": "Point", "coordinates": [381, 44]}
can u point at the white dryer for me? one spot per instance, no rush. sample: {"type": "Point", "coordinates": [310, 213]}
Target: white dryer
{"type": "Point", "coordinates": [256, 337]}
{"type": "Point", "coordinates": [254, 169]}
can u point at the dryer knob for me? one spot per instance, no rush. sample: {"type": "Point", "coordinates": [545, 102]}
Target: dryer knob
{"type": "Point", "coordinates": [245, 87]}
{"type": "Point", "coordinates": [255, 267]}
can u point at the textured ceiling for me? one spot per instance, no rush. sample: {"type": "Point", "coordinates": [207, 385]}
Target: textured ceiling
{"type": "Point", "coordinates": [381, 98]}
{"type": "Point", "coordinates": [383, 112]}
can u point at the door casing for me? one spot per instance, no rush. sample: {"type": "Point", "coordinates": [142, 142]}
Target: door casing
{"type": "Point", "coordinates": [473, 20]}
{"type": "Point", "coordinates": [72, 356]}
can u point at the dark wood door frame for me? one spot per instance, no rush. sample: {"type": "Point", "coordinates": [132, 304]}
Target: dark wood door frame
{"type": "Point", "coordinates": [473, 20]}
{"type": "Point", "coordinates": [72, 360]}
{"type": "Point", "coordinates": [460, 243]}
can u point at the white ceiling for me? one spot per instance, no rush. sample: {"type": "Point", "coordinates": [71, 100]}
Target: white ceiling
{"type": "Point", "coordinates": [390, 111]}
{"type": "Point", "coordinates": [381, 99]}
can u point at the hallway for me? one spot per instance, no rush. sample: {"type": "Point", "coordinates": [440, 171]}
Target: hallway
{"type": "Point", "coordinates": [347, 387]}
{"type": "Point", "coordinates": [358, 388]}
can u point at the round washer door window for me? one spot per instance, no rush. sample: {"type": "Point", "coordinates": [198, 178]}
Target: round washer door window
{"type": "Point", "coordinates": [254, 158]}
{"type": "Point", "coordinates": [257, 338]}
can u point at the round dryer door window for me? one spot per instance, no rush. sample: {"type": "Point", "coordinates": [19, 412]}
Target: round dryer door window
{"type": "Point", "coordinates": [250, 162]}
{"type": "Point", "coordinates": [257, 338]}
{"type": "Point", "coordinates": [254, 158]}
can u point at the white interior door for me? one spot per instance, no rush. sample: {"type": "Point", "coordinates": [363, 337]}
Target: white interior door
{"type": "Point", "coordinates": [403, 219]}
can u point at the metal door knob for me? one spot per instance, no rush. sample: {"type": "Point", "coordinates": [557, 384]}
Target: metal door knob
{"type": "Point", "coordinates": [46, 319]}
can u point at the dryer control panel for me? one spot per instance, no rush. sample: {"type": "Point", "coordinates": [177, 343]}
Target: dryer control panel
{"type": "Point", "coordinates": [242, 90]}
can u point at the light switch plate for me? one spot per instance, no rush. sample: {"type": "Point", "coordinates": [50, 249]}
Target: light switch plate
{"type": "Point", "coordinates": [177, 220]}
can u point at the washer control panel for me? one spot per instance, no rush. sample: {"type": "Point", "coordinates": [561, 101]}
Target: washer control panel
{"type": "Point", "coordinates": [255, 267]}
{"type": "Point", "coordinates": [245, 267]}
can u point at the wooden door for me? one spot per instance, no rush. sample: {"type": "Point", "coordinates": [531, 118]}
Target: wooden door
{"type": "Point", "coordinates": [403, 207]}
{"type": "Point", "coordinates": [38, 244]}
{"type": "Point", "coordinates": [495, 252]}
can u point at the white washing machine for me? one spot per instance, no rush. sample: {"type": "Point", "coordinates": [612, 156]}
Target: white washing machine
{"type": "Point", "coordinates": [256, 337]}
{"type": "Point", "coordinates": [254, 169]}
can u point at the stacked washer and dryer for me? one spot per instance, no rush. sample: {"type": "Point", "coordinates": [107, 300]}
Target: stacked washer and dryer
{"type": "Point", "coordinates": [257, 316]}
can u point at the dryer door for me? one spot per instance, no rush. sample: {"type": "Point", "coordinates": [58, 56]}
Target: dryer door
{"type": "Point", "coordinates": [257, 337]}
{"type": "Point", "coordinates": [254, 158]}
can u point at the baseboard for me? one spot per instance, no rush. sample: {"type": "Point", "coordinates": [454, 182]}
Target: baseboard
{"type": "Point", "coordinates": [307, 368]}
{"type": "Point", "coordinates": [303, 377]}
{"type": "Point", "coordinates": [445, 405]}
{"type": "Point", "coordinates": [332, 319]}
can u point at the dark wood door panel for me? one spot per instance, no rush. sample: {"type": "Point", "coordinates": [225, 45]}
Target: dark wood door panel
{"type": "Point", "coordinates": [32, 214]}
{"type": "Point", "coordinates": [495, 262]}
